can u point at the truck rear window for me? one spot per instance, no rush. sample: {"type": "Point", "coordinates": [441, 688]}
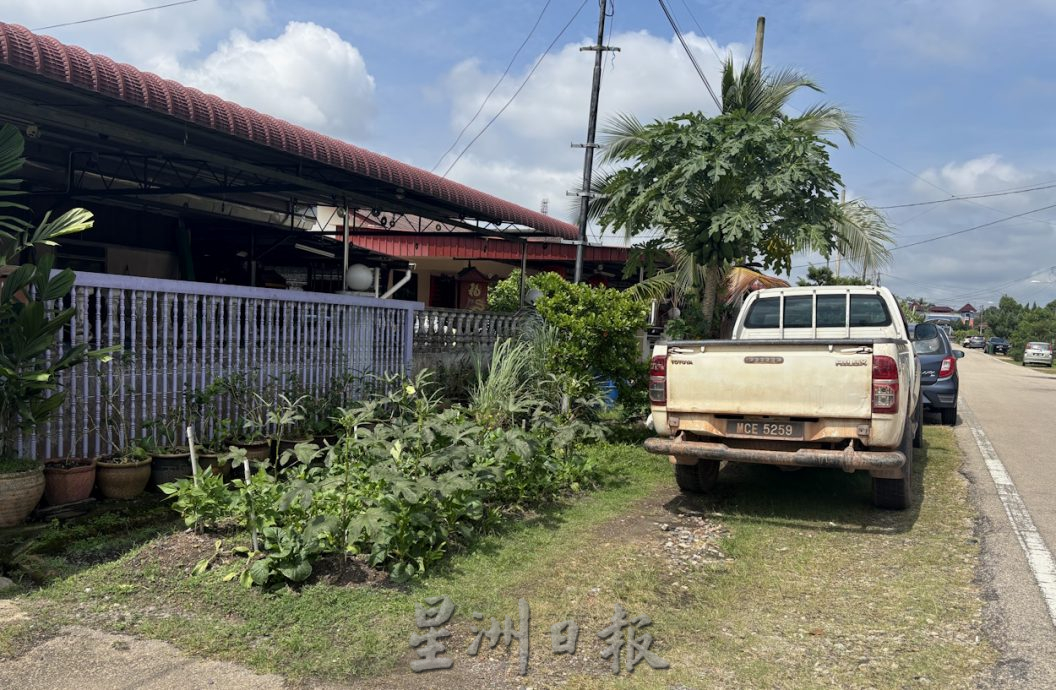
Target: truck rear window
{"type": "Point", "coordinates": [866, 310]}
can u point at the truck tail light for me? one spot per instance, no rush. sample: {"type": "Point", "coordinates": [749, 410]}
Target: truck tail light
{"type": "Point", "coordinates": [885, 384]}
{"type": "Point", "coordinates": [658, 380]}
{"type": "Point", "coordinates": [948, 368]}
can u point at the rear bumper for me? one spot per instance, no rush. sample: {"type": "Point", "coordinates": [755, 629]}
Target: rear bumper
{"type": "Point", "coordinates": [848, 460]}
{"type": "Point", "coordinates": [939, 395]}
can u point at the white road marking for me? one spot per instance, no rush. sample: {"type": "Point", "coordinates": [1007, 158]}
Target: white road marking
{"type": "Point", "coordinates": [1039, 558]}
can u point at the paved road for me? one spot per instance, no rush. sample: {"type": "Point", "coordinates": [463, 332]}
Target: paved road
{"type": "Point", "coordinates": [1007, 428]}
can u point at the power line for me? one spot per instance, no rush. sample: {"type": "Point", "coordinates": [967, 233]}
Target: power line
{"type": "Point", "coordinates": [702, 32]}
{"type": "Point", "coordinates": [954, 233]}
{"type": "Point", "coordinates": [519, 88]}
{"type": "Point", "coordinates": [493, 88]}
{"type": "Point", "coordinates": [118, 14]}
{"type": "Point", "coordinates": [967, 197]}
{"type": "Point", "coordinates": [685, 46]}
{"type": "Point", "coordinates": [975, 227]}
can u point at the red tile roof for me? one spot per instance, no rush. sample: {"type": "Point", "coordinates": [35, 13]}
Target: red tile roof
{"type": "Point", "coordinates": [967, 308]}
{"type": "Point", "coordinates": [22, 50]}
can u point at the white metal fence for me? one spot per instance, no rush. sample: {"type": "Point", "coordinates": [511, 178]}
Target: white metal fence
{"type": "Point", "coordinates": [180, 336]}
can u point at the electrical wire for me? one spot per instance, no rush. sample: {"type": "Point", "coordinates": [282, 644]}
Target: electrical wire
{"type": "Point", "coordinates": [711, 44]}
{"type": "Point", "coordinates": [692, 58]}
{"type": "Point", "coordinates": [519, 88]}
{"type": "Point", "coordinates": [966, 197]}
{"type": "Point", "coordinates": [974, 227]}
{"type": "Point", "coordinates": [493, 88]}
{"type": "Point", "coordinates": [112, 16]}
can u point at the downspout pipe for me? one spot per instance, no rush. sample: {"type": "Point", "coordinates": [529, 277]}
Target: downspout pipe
{"type": "Point", "coordinates": [403, 281]}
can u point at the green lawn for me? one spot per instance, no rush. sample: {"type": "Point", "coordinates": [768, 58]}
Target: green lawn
{"type": "Point", "coordinates": [804, 585]}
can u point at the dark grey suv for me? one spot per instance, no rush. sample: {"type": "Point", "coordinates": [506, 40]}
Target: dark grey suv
{"type": "Point", "coordinates": [938, 370]}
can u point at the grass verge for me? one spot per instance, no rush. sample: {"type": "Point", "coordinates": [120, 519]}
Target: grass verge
{"type": "Point", "coordinates": [811, 587]}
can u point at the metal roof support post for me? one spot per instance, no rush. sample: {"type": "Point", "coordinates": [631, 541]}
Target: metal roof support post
{"type": "Point", "coordinates": [344, 262]}
{"type": "Point", "coordinates": [524, 270]}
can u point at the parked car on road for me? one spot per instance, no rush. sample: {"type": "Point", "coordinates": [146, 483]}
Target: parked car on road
{"type": "Point", "coordinates": [1037, 353]}
{"type": "Point", "coordinates": [997, 346]}
{"type": "Point", "coordinates": [938, 371]}
{"type": "Point", "coordinates": [975, 342]}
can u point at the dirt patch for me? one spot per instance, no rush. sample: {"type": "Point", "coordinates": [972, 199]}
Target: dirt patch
{"type": "Point", "coordinates": [177, 552]}
{"type": "Point", "coordinates": [10, 613]}
{"type": "Point", "coordinates": [341, 571]}
{"type": "Point", "coordinates": [82, 658]}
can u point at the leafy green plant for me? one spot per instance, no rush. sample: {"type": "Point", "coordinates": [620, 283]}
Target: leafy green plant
{"type": "Point", "coordinates": [30, 356]}
{"type": "Point", "coordinates": [203, 502]}
{"type": "Point", "coordinates": [407, 481]}
{"type": "Point", "coordinates": [116, 427]}
{"type": "Point", "coordinates": [594, 332]}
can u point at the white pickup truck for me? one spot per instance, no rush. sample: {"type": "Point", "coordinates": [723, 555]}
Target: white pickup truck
{"type": "Point", "coordinates": [813, 377]}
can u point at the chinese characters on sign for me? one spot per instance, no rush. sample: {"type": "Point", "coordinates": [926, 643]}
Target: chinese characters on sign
{"type": "Point", "coordinates": [622, 634]}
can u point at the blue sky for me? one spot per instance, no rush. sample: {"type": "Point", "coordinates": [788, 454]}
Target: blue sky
{"type": "Point", "coordinates": [954, 98]}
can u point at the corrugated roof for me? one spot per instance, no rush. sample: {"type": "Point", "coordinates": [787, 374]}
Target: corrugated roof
{"type": "Point", "coordinates": [464, 245]}
{"type": "Point", "coordinates": [22, 50]}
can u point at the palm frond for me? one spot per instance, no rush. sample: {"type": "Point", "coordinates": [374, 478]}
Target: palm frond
{"type": "Point", "coordinates": [864, 235]}
{"type": "Point", "coordinates": [740, 279]}
{"type": "Point", "coordinates": [622, 138]}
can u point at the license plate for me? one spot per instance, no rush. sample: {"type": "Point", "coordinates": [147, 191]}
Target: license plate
{"type": "Point", "coordinates": [747, 428]}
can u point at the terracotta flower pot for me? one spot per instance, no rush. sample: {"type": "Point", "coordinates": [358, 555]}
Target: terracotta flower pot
{"type": "Point", "coordinates": [210, 462]}
{"type": "Point", "coordinates": [68, 482]}
{"type": "Point", "coordinates": [20, 493]}
{"type": "Point", "coordinates": [285, 445]}
{"type": "Point", "coordinates": [122, 480]}
{"type": "Point", "coordinates": [256, 450]}
{"type": "Point", "coordinates": [169, 467]}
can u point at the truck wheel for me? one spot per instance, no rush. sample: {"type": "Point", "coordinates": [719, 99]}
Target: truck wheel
{"type": "Point", "coordinates": [897, 494]}
{"type": "Point", "coordinates": [918, 438]}
{"type": "Point", "coordinates": [949, 416]}
{"type": "Point", "coordinates": [698, 478]}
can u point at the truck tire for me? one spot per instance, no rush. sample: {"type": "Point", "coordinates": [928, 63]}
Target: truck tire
{"type": "Point", "coordinates": [918, 438]}
{"type": "Point", "coordinates": [897, 494]}
{"type": "Point", "coordinates": [949, 416]}
{"type": "Point", "coordinates": [698, 478]}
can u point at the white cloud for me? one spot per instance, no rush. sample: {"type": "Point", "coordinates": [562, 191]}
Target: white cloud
{"type": "Point", "coordinates": [148, 39]}
{"type": "Point", "coordinates": [650, 77]}
{"type": "Point", "coordinates": [528, 149]}
{"type": "Point", "coordinates": [307, 75]}
{"type": "Point", "coordinates": [976, 176]}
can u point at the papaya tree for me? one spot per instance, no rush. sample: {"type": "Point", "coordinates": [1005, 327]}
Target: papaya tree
{"type": "Point", "coordinates": [748, 184]}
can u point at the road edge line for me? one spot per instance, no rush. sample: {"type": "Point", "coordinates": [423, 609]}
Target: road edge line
{"type": "Point", "coordinates": [1039, 558]}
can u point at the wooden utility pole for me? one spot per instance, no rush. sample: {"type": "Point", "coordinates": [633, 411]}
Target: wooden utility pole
{"type": "Point", "coordinates": [588, 153]}
{"type": "Point", "coordinates": [757, 54]}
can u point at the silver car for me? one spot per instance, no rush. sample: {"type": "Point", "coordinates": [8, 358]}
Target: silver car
{"type": "Point", "coordinates": [1038, 353]}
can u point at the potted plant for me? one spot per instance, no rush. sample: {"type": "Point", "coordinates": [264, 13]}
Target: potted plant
{"type": "Point", "coordinates": [212, 431]}
{"type": "Point", "coordinates": [248, 428]}
{"type": "Point", "coordinates": [68, 479]}
{"type": "Point", "coordinates": [286, 417]}
{"type": "Point", "coordinates": [170, 457]}
{"type": "Point", "coordinates": [124, 473]}
{"type": "Point", "coordinates": [30, 355]}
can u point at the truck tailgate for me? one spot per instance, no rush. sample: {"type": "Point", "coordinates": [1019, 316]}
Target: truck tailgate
{"type": "Point", "coordinates": [770, 378]}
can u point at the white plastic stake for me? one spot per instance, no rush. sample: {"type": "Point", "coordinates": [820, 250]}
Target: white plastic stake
{"type": "Point", "coordinates": [194, 454]}
{"type": "Point", "coordinates": [252, 519]}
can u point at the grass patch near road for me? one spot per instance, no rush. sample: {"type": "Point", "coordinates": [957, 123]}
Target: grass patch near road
{"type": "Point", "coordinates": [813, 587]}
